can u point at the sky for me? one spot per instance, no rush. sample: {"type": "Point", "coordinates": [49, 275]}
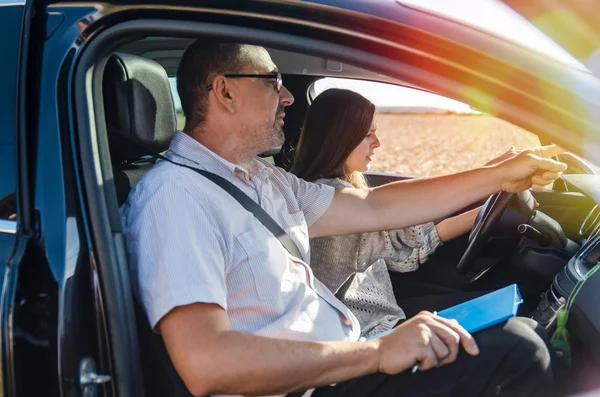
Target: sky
{"type": "Point", "coordinates": [390, 96]}
{"type": "Point", "coordinates": [491, 15]}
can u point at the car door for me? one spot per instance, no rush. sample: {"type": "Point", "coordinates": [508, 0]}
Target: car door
{"type": "Point", "coordinates": [15, 214]}
{"type": "Point", "coordinates": [53, 325]}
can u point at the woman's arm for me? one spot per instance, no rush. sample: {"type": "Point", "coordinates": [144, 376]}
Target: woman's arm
{"type": "Point", "coordinates": [415, 201]}
{"type": "Point", "coordinates": [457, 225]}
{"type": "Point", "coordinates": [412, 246]}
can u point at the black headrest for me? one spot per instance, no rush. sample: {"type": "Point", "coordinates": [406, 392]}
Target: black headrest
{"type": "Point", "coordinates": [138, 105]}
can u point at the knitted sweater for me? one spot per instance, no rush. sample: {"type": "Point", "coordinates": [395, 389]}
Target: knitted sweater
{"type": "Point", "coordinates": [369, 256]}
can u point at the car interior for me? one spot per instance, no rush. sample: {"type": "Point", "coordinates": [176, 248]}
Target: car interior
{"type": "Point", "coordinates": [545, 249]}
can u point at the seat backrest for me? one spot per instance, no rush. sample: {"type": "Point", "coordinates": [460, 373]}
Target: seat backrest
{"type": "Point", "coordinates": [140, 115]}
{"type": "Point", "coordinates": [160, 376]}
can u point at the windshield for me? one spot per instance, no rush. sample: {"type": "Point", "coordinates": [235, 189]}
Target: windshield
{"type": "Point", "coordinates": [495, 17]}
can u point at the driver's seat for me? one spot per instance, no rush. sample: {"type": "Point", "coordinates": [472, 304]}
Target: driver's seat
{"type": "Point", "coordinates": [141, 119]}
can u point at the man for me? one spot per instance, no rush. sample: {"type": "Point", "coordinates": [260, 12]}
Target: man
{"type": "Point", "coordinates": [239, 314]}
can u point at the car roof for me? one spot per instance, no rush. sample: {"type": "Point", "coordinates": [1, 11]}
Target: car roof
{"type": "Point", "coordinates": [168, 51]}
{"type": "Point", "coordinates": [575, 25]}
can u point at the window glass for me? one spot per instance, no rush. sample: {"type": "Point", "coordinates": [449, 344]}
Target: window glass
{"type": "Point", "coordinates": [424, 134]}
{"type": "Point", "coordinates": [177, 101]}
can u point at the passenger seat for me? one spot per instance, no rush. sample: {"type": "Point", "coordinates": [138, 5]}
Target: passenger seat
{"type": "Point", "coordinates": [140, 116]}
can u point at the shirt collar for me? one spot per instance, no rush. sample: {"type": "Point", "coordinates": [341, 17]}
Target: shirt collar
{"type": "Point", "coordinates": [187, 148]}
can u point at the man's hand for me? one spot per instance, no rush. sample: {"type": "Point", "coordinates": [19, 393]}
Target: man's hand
{"type": "Point", "coordinates": [426, 340]}
{"type": "Point", "coordinates": [532, 168]}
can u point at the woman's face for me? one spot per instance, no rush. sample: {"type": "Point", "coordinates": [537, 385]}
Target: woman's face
{"type": "Point", "coordinates": [362, 155]}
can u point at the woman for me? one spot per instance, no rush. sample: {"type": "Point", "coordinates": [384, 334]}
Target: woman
{"type": "Point", "coordinates": [336, 146]}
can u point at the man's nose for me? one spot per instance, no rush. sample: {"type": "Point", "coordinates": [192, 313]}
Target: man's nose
{"type": "Point", "coordinates": [285, 97]}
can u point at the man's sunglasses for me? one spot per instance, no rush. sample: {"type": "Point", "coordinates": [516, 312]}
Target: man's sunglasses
{"type": "Point", "coordinates": [276, 76]}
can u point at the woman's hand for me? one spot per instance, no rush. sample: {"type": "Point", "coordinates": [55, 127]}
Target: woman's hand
{"type": "Point", "coordinates": [532, 168]}
{"type": "Point", "coordinates": [546, 152]}
{"type": "Point", "coordinates": [504, 156]}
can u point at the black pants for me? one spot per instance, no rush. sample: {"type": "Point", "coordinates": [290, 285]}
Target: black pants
{"type": "Point", "coordinates": [514, 361]}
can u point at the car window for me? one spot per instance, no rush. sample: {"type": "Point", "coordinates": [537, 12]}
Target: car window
{"type": "Point", "coordinates": [423, 134]}
{"type": "Point", "coordinates": [177, 101]}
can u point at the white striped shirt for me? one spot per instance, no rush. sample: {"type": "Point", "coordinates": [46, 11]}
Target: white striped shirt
{"type": "Point", "coordinates": [189, 241]}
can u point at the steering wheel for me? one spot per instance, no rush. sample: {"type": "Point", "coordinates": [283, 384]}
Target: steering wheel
{"type": "Point", "coordinates": [488, 217]}
{"type": "Point", "coordinates": [576, 165]}
{"type": "Point", "coordinates": [492, 211]}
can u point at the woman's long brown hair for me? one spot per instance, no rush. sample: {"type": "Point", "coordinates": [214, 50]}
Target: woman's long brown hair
{"type": "Point", "coordinates": [336, 122]}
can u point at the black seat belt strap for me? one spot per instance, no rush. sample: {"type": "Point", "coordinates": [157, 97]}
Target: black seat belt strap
{"type": "Point", "coordinates": [249, 204]}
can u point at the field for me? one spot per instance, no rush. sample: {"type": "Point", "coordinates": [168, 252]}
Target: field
{"type": "Point", "coordinates": [432, 144]}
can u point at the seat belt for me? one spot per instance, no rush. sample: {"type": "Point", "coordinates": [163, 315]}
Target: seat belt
{"type": "Point", "coordinates": [249, 204]}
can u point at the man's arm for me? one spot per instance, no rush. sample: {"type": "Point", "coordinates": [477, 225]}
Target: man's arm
{"type": "Point", "coordinates": [412, 202]}
{"type": "Point", "coordinates": [212, 359]}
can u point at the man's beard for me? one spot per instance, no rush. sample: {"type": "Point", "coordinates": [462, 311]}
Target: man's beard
{"type": "Point", "coordinates": [277, 137]}
{"type": "Point", "coordinates": [278, 140]}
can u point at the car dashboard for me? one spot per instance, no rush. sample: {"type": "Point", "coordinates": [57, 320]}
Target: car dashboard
{"type": "Point", "coordinates": [584, 316]}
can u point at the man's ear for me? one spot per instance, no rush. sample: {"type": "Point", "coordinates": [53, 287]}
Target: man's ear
{"type": "Point", "coordinates": [224, 92]}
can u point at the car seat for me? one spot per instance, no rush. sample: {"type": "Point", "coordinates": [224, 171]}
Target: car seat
{"type": "Point", "coordinates": [141, 120]}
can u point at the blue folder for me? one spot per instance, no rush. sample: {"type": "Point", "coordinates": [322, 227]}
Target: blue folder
{"type": "Point", "coordinates": [484, 311]}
